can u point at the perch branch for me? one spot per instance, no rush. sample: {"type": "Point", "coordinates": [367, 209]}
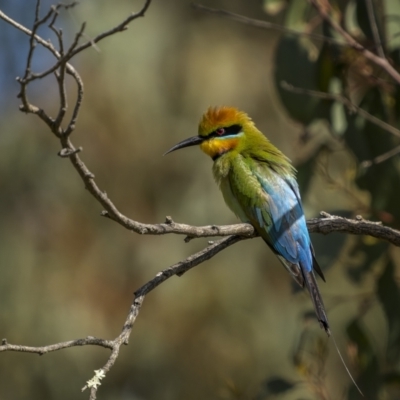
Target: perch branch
{"type": "Point", "coordinates": [358, 226]}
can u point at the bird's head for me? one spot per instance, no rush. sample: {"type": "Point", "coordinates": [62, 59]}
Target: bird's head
{"type": "Point", "coordinates": [220, 130]}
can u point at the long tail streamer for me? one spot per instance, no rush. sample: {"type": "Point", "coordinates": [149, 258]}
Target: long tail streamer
{"type": "Point", "coordinates": [345, 365]}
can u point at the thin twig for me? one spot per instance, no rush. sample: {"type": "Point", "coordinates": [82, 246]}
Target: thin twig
{"type": "Point", "coordinates": [379, 159]}
{"type": "Point", "coordinates": [89, 341]}
{"type": "Point", "coordinates": [45, 43]}
{"type": "Point", "coordinates": [78, 103]}
{"type": "Point", "coordinates": [26, 106]}
{"type": "Point", "coordinates": [343, 186]}
{"type": "Point", "coordinates": [119, 28]}
{"type": "Point", "coordinates": [60, 76]}
{"type": "Point", "coordinates": [375, 31]}
{"type": "Point", "coordinates": [346, 102]}
{"type": "Point", "coordinates": [256, 23]}
{"type": "Point", "coordinates": [380, 61]}
{"type": "Point", "coordinates": [63, 58]}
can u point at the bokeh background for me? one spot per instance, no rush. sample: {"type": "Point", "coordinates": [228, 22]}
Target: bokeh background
{"type": "Point", "coordinates": [234, 327]}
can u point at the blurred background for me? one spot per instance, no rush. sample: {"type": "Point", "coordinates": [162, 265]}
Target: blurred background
{"type": "Point", "coordinates": [235, 327]}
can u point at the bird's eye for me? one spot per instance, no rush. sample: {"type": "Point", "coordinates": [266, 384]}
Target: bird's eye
{"type": "Point", "coordinates": [220, 131]}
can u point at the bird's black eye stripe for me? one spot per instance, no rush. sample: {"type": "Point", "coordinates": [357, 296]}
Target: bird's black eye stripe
{"type": "Point", "coordinates": [229, 130]}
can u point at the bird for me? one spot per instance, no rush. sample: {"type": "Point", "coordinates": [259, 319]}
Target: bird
{"type": "Point", "coordinates": [258, 183]}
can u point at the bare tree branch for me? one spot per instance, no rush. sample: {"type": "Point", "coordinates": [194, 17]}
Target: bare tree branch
{"type": "Point", "coordinates": [119, 28]}
{"type": "Point", "coordinates": [358, 226]}
{"type": "Point", "coordinates": [90, 340]}
{"type": "Point", "coordinates": [234, 233]}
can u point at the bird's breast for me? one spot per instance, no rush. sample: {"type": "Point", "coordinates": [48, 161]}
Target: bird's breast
{"type": "Point", "coordinates": [231, 200]}
{"type": "Point", "coordinates": [239, 186]}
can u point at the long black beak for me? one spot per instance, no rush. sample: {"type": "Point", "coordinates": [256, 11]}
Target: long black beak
{"type": "Point", "coordinates": [192, 141]}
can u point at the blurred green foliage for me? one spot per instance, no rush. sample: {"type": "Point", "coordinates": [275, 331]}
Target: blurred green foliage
{"type": "Point", "coordinates": [231, 328]}
{"type": "Point", "coordinates": [336, 69]}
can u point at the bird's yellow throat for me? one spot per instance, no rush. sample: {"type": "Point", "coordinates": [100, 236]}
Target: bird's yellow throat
{"type": "Point", "coordinates": [217, 146]}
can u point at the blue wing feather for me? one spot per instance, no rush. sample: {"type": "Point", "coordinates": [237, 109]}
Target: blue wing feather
{"type": "Point", "coordinates": [287, 234]}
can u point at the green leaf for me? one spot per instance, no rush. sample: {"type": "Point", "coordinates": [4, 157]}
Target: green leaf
{"type": "Point", "coordinates": [305, 171]}
{"type": "Point", "coordinates": [295, 64]}
{"type": "Point", "coordinates": [392, 18]}
{"type": "Point", "coordinates": [278, 385]}
{"type": "Point", "coordinates": [392, 379]}
{"type": "Point", "coordinates": [274, 7]}
{"type": "Point", "coordinates": [327, 66]}
{"type": "Point", "coordinates": [371, 251]}
{"type": "Point", "coordinates": [297, 14]}
{"type": "Point", "coordinates": [312, 349]}
{"type": "Point", "coordinates": [275, 385]}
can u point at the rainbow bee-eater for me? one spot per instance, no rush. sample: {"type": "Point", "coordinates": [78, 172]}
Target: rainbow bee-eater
{"type": "Point", "coordinates": [259, 185]}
